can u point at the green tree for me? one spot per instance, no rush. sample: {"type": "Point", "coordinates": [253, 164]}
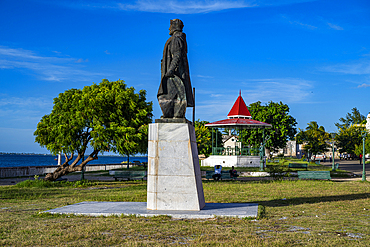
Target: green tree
{"type": "Point", "coordinates": [347, 139]}
{"type": "Point", "coordinates": [349, 136]}
{"type": "Point", "coordinates": [315, 138]}
{"type": "Point", "coordinates": [204, 137]}
{"type": "Point", "coordinates": [283, 125]}
{"type": "Point", "coordinates": [359, 148]}
{"type": "Point", "coordinates": [108, 116]}
{"type": "Point", "coordinates": [351, 118]}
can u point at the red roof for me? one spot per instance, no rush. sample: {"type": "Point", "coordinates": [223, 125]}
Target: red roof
{"type": "Point", "coordinates": [239, 108]}
{"type": "Point", "coordinates": [240, 123]}
{"type": "Point", "coordinates": [239, 117]}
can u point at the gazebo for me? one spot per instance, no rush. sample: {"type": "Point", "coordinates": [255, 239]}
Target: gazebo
{"type": "Point", "coordinates": [239, 118]}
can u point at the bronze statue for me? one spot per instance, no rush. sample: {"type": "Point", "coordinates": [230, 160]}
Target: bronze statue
{"type": "Point", "coordinates": [175, 91]}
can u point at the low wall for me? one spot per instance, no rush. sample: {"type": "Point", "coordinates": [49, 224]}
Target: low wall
{"type": "Point", "coordinates": [24, 171]}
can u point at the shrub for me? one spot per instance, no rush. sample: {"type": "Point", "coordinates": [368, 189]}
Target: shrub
{"type": "Point", "coordinates": [35, 183]}
{"type": "Point", "coordinates": [276, 171]}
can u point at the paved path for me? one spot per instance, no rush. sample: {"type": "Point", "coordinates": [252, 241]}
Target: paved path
{"type": "Point", "coordinates": [351, 166]}
{"type": "Point", "coordinates": [211, 210]}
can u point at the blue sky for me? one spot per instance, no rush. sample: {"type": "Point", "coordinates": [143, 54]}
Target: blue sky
{"type": "Point", "coordinates": [312, 55]}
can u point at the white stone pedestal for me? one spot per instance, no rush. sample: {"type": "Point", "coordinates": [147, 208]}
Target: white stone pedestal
{"type": "Point", "coordinates": [174, 178]}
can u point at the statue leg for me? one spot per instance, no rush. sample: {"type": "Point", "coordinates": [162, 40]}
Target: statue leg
{"type": "Point", "coordinates": [167, 105]}
{"type": "Point", "coordinates": [180, 102]}
{"type": "Point", "coordinates": [179, 108]}
{"type": "Point", "coordinates": [173, 104]}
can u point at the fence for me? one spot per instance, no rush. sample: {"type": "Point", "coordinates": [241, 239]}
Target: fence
{"type": "Point", "coordinates": [24, 171]}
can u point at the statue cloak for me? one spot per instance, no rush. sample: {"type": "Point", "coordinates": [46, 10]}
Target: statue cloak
{"type": "Point", "coordinates": [175, 58]}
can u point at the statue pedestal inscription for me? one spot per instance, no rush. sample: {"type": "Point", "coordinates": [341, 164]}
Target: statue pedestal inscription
{"type": "Point", "coordinates": [174, 179]}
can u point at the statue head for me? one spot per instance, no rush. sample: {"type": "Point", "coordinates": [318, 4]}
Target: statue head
{"type": "Point", "coordinates": [176, 25]}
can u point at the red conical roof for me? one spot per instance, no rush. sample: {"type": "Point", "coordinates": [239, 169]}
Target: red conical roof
{"type": "Point", "coordinates": [239, 118]}
{"type": "Point", "coordinates": [239, 109]}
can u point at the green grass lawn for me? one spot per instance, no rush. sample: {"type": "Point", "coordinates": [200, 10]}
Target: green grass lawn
{"type": "Point", "coordinates": [291, 213]}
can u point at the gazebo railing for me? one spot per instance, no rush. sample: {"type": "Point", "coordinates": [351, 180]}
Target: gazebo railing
{"type": "Point", "coordinates": [235, 151]}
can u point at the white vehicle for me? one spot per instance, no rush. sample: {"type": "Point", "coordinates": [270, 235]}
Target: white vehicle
{"type": "Point", "coordinates": [317, 157]}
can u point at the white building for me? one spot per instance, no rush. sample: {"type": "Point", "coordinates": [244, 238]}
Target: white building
{"type": "Point", "coordinates": [230, 141]}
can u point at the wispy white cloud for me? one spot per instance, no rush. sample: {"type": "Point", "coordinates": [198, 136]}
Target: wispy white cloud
{"type": "Point", "coordinates": [288, 90]}
{"type": "Point", "coordinates": [279, 2]}
{"type": "Point", "coordinates": [333, 26]}
{"type": "Point", "coordinates": [23, 111]}
{"type": "Point", "coordinates": [302, 24]}
{"type": "Point", "coordinates": [82, 60]}
{"type": "Point", "coordinates": [204, 76]}
{"type": "Point", "coordinates": [173, 6]}
{"type": "Point", "coordinates": [359, 67]}
{"type": "Point", "coordinates": [30, 102]}
{"type": "Point", "coordinates": [184, 7]}
{"type": "Point", "coordinates": [162, 6]}
{"type": "Point", "coordinates": [19, 53]}
{"type": "Point", "coordinates": [358, 72]}
{"type": "Point", "coordinates": [19, 117]}
{"type": "Point", "coordinates": [216, 95]}
{"type": "Point", "coordinates": [298, 23]}
{"type": "Point", "coordinates": [48, 68]}
{"type": "Point", "coordinates": [363, 85]}
{"type": "Point", "coordinates": [212, 109]}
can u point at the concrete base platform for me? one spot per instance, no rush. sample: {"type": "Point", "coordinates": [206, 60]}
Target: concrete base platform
{"type": "Point", "coordinates": [211, 210]}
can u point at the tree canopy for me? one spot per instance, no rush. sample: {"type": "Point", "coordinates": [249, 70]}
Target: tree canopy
{"type": "Point", "coordinates": [347, 139]}
{"type": "Point", "coordinates": [315, 138]}
{"type": "Point", "coordinates": [359, 147]}
{"type": "Point", "coordinates": [108, 116]}
{"type": "Point", "coordinates": [349, 136]}
{"type": "Point", "coordinates": [204, 138]}
{"type": "Point", "coordinates": [276, 114]}
{"type": "Point", "coordinates": [351, 118]}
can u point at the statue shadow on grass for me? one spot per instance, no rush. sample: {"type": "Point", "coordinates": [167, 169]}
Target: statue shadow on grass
{"type": "Point", "coordinates": [312, 200]}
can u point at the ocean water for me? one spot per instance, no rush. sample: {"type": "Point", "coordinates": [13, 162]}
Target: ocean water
{"type": "Point", "coordinates": [12, 160]}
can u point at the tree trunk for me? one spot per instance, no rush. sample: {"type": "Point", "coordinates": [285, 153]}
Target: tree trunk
{"type": "Point", "coordinates": [66, 168]}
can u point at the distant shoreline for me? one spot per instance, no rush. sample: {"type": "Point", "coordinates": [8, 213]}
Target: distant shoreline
{"type": "Point", "coordinates": [112, 155]}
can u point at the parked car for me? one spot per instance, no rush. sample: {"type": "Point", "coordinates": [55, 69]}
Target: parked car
{"type": "Point", "coordinates": [317, 157]}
